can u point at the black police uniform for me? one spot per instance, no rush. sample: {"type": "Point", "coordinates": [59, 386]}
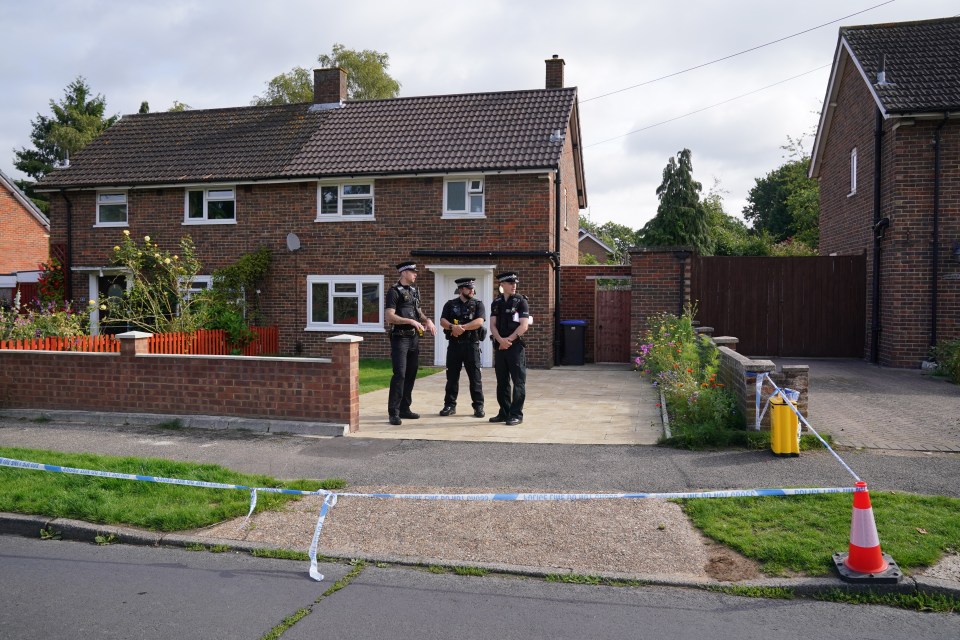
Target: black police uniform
{"type": "Point", "coordinates": [404, 349]}
{"type": "Point", "coordinates": [464, 351]}
{"type": "Point", "coordinates": [510, 364]}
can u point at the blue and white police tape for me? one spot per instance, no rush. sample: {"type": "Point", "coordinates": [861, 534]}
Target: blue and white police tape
{"type": "Point", "coordinates": [330, 497]}
{"type": "Point", "coordinates": [763, 376]}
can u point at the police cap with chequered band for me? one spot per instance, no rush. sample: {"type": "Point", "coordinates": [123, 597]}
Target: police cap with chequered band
{"type": "Point", "coordinates": [509, 276]}
{"type": "Point", "coordinates": [407, 266]}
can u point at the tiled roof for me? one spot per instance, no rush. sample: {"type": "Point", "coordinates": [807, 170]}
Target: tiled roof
{"type": "Point", "coordinates": [471, 132]}
{"type": "Point", "coordinates": [921, 61]}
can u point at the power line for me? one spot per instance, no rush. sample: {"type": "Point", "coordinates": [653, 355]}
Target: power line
{"type": "Point", "coordinates": [733, 55]}
{"type": "Point", "coordinates": [743, 95]}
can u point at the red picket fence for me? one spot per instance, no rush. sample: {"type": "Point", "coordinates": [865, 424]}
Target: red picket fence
{"type": "Point", "coordinates": [212, 342]}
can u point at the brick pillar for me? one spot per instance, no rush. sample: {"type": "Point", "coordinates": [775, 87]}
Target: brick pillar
{"type": "Point", "coordinates": [134, 343]}
{"type": "Point", "coordinates": [346, 359]}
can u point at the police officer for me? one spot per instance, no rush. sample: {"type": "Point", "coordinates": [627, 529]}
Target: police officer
{"type": "Point", "coordinates": [462, 320]}
{"type": "Point", "coordinates": [509, 320]}
{"type": "Point", "coordinates": [408, 322]}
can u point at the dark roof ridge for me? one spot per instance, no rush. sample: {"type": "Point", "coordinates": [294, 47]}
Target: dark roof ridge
{"type": "Point", "coordinates": [891, 25]}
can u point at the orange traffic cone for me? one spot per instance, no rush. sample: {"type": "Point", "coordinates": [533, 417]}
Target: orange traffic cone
{"type": "Point", "coordinates": [865, 562]}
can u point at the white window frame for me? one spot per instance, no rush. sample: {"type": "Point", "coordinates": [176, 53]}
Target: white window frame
{"type": "Point", "coordinates": [126, 204]}
{"type": "Point", "coordinates": [192, 290]}
{"type": "Point", "coordinates": [853, 172]}
{"type": "Point", "coordinates": [340, 215]}
{"type": "Point", "coordinates": [359, 281]}
{"type": "Point", "coordinates": [187, 220]}
{"type": "Point", "coordinates": [473, 186]}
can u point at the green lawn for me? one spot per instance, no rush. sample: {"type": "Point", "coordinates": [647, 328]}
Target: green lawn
{"type": "Point", "coordinates": [375, 373]}
{"type": "Point", "coordinates": [151, 505]}
{"type": "Point", "coordinates": [801, 533]}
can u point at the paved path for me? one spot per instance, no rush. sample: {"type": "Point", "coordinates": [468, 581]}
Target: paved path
{"type": "Point", "coordinates": [592, 404]}
{"type": "Point", "coordinates": [865, 406]}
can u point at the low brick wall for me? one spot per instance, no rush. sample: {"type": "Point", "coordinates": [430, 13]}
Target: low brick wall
{"type": "Point", "coordinates": [311, 389]}
{"type": "Point", "coordinates": [735, 374]}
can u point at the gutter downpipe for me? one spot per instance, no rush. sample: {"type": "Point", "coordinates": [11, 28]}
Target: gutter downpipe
{"type": "Point", "coordinates": [68, 274]}
{"type": "Point", "coordinates": [556, 271]}
{"type": "Point", "coordinates": [935, 271]}
{"type": "Point", "coordinates": [877, 237]}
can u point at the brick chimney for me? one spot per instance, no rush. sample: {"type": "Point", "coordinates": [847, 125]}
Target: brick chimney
{"type": "Point", "coordinates": [329, 87]}
{"type": "Point", "coordinates": [555, 72]}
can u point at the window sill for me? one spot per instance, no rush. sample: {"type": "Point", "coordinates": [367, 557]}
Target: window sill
{"type": "Point", "coordinates": [338, 218]}
{"type": "Point", "coordinates": [345, 328]}
{"type": "Point", "coordinates": [113, 225]}
{"type": "Point", "coordinates": [189, 223]}
{"type": "Point", "coordinates": [463, 216]}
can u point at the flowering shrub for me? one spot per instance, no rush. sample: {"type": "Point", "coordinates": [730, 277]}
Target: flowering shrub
{"type": "Point", "coordinates": [51, 285]}
{"type": "Point", "coordinates": [683, 365]}
{"type": "Point", "coordinates": [41, 321]}
{"type": "Point", "coordinates": [159, 300]}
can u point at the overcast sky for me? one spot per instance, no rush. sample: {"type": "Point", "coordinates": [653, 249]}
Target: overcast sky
{"type": "Point", "coordinates": [220, 53]}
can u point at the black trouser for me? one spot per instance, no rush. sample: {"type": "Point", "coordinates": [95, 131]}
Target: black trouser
{"type": "Point", "coordinates": [405, 355]}
{"type": "Point", "coordinates": [463, 353]}
{"type": "Point", "coordinates": [511, 365]}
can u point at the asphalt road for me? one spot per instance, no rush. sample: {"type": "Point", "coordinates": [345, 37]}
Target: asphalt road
{"type": "Point", "coordinates": [69, 589]}
{"type": "Point", "coordinates": [506, 466]}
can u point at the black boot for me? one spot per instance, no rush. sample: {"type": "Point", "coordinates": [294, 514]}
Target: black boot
{"type": "Point", "coordinates": [448, 410]}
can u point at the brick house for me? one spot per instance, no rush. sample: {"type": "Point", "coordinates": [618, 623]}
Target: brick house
{"type": "Point", "coordinates": [593, 245]}
{"type": "Point", "coordinates": [887, 155]}
{"type": "Point", "coordinates": [24, 241]}
{"type": "Point", "coordinates": [341, 191]}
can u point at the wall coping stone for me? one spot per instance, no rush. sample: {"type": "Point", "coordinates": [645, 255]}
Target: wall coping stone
{"type": "Point", "coordinates": [344, 337]}
{"type": "Point", "coordinates": [795, 368]}
{"type": "Point", "coordinates": [195, 356]}
{"type": "Point", "coordinates": [721, 341]}
{"type": "Point", "coordinates": [133, 335]}
{"type": "Point", "coordinates": [755, 366]}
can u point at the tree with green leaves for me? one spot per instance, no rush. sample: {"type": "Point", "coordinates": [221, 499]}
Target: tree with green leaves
{"type": "Point", "coordinates": [367, 78]}
{"type": "Point", "coordinates": [786, 203]}
{"type": "Point", "coordinates": [77, 119]}
{"type": "Point", "coordinates": [681, 219]}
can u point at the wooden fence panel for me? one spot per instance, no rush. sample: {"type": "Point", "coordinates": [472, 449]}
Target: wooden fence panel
{"type": "Point", "coordinates": [790, 306]}
{"type": "Point", "coordinates": [202, 342]}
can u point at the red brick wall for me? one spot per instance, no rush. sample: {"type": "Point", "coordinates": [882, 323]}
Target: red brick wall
{"type": "Point", "coordinates": [276, 388]}
{"type": "Point", "coordinates": [907, 182]}
{"type": "Point", "coordinates": [24, 241]}
{"type": "Point", "coordinates": [578, 284]}
{"type": "Point", "coordinates": [655, 280]}
{"type": "Point", "coordinates": [519, 217]}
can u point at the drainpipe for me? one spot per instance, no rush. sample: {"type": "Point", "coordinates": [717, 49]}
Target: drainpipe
{"type": "Point", "coordinates": [556, 271]}
{"type": "Point", "coordinates": [68, 259]}
{"type": "Point", "coordinates": [879, 226]}
{"type": "Point", "coordinates": [935, 271]}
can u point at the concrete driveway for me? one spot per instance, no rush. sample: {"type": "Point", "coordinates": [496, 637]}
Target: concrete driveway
{"type": "Point", "coordinates": [865, 406]}
{"type": "Point", "coordinates": [590, 404]}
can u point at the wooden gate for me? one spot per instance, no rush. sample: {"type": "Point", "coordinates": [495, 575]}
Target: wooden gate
{"type": "Point", "coordinates": [612, 334]}
{"type": "Point", "coordinates": [790, 306]}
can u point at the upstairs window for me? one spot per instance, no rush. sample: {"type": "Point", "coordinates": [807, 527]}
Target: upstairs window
{"type": "Point", "coordinates": [210, 206]}
{"type": "Point", "coordinates": [463, 196]}
{"type": "Point", "coordinates": [111, 209]}
{"type": "Point", "coordinates": [345, 200]}
{"type": "Point", "coordinates": [853, 172]}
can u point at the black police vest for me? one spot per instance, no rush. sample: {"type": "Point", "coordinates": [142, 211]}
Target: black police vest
{"type": "Point", "coordinates": [408, 304]}
{"type": "Point", "coordinates": [464, 312]}
{"type": "Point", "coordinates": [504, 311]}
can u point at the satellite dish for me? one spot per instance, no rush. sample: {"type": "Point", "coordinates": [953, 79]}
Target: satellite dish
{"type": "Point", "coordinates": [293, 242]}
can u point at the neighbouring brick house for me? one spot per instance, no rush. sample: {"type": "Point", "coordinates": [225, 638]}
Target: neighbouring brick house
{"type": "Point", "coordinates": [887, 155]}
{"type": "Point", "coordinates": [341, 191]}
{"type": "Point", "coordinates": [24, 241]}
{"type": "Point", "coordinates": [596, 247]}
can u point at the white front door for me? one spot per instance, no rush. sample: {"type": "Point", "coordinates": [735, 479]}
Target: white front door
{"type": "Point", "coordinates": [445, 288]}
